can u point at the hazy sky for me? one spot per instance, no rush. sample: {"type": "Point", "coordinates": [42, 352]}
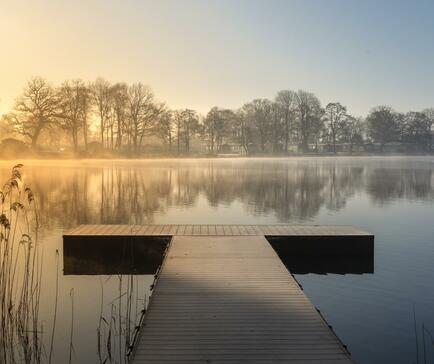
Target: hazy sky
{"type": "Point", "coordinates": [203, 53]}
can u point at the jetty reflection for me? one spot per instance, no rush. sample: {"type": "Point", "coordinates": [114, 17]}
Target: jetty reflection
{"type": "Point", "coordinates": [113, 255]}
{"type": "Point", "coordinates": [120, 255]}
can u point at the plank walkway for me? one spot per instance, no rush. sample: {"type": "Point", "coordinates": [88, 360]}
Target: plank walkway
{"type": "Point", "coordinates": [218, 230]}
{"type": "Point", "coordinates": [224, 296]}
{"type": "Point", "coordinates": [231, 300]}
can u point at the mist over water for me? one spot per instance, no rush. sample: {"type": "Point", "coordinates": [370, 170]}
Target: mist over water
{"type": "Point", "coordinates": [391, 197]}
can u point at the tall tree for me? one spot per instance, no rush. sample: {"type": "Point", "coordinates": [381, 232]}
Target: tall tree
{"type": "Point", "coordinates": [217, 127]}
{"type": "Point", "coordinates": [277, 133]}
{"type": "Point", "coordinates": [429, 112]}
{"type": "Point", "coordinates": [259, 113]}
{"type": "Point", "coordinates": [142, 111]}
{"type": "Point", "coordinates": [418, 129]}
{"type": "Point", "coordinates": [164, 127]}
{"type": "Point", "coordinates": [286, 109]}
{"type": "Point", "coordinates": [352, 131]}
{"type": "Point", "coordinates": [35, 110]}
{"type": "Point", "coordinates": [308, 112]}
{"type": "Point", "coordinates": [242, 130]}
{"type": "Point", "coordinates": [178, 119]}
{"type": "Point", "coordinates": [212, 119]}
{"type": "Point", "coordinates": [73, 108]}
{"type": "Point", "coordinates": [382, 125]}
{"type": "Point", "coordinates": [190, 122]}
{"type": "Point", "coordinates": [119, 99]}
{"type": "Point", "coordinates": [334, 116]}
{"type": "Point", "coordinates": [101, 92]}
{"type": "Point", "coordinates": [318, 130]}
{"type": "Point", "coordinates": [86, 106]}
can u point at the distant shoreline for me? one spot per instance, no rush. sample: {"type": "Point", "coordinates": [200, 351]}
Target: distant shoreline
{"type": "Point", "coordinates": [71, 157]}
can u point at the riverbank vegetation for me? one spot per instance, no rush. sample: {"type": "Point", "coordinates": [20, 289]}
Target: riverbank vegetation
{"type": "Point", "coordinates": [106, 119]}
{"type": "Point", "coordinates": [25, 335]}
{"type": "Point", "coordinates": [20, 274]}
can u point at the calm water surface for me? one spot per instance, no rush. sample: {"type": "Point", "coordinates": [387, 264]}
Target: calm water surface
{"type": "Point", "coordinates": [373, 314]}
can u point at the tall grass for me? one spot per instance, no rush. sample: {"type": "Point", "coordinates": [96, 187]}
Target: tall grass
{"type": "Point", "coordinates": [20, 273]}
{"type": "Point", "coordinates": [117, 329]}
{"type": "Point", "coordinates": [20, 290]}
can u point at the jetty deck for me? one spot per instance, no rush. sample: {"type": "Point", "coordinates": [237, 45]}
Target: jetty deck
{"type": "Point", "coordinates": [223, 296]}
{"type": "Point", "coordinates": [220, 230]}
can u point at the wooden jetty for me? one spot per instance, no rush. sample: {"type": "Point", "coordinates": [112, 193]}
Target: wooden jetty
{"type": "Point", "coordinates": [223, 295]}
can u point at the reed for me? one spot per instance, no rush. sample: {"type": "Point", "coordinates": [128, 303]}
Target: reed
{"type": "Point", "coordinates": [116, 330]}
{"type": "Point", "coordinates": [20, 273]}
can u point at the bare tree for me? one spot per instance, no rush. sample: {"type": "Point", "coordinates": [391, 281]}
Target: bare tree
{"type": "Point", "coordinates": [242, 133]}
{"type": "Point", "coordinates": [211, 121]}
{"type": "Point", "coordinates": [308, 112]}
{"type": "Point", "coordinates": [178, 119]}
{"type": "Point", "coordinates": [142, 112]}
{"type": "Point", "coordinates": [164, 127]}
{"type": "Point", "coordinates": [190, 122]}
{"type": "Point", "coordinates": [259, 113]}
{"type": "Point", "coordinates": [119, 99]}
{"type": "Point", "coordinates": [101, 92]}
{"type": "Point", "coordinates": [217, 127]}
{"type": "Point", "coordinates": [318, 130]}
{"type": "Point", "coordinates": [86, 107]}
{"type": "Point", "coordinates": [286, 109]}
{"type": "Point", "coordinates": [35, 110]}
{"type": "Point", "coordinates": [334, 117]}
{"type": "Point", "coordinates": [352, 131]}
{"type": "Point", "coordinates": [73, 101]}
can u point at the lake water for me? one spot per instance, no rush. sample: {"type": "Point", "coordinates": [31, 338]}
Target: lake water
{"type": "Point", "coordinates": [373, 314]}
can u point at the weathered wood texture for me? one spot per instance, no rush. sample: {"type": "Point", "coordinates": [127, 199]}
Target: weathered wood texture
{"type": "Point", "coordinates": [218, 230]}
{"type": "Point", "coordinates": [229, 299]}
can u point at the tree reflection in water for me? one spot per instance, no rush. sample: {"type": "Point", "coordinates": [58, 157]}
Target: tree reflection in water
{"type": "Point", "coordinates": [134, 192]}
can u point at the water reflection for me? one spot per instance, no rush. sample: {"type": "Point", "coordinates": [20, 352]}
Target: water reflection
{"type": "Point", "coordinates": [386, 184]}
{"type": "Point", "coordinates": [392, 197]}
{"type": "Point", "coordinates": [110, 255]}
{"type": "Point", "coordinates": [134, 192]}
{"type": "Point", "coordinates": [325, 255]}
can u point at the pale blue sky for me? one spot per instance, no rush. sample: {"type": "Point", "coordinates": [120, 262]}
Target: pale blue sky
{"type": "Point", "coordinates": [202, 53]}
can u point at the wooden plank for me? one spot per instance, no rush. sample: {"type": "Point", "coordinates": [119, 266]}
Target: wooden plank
{"type": "Point", "coordinates": [103, 229]}
{"type": "Point", "coordinates": [112, 230]}
{"type": "Point", "coordinates": [166, 230]}
{"type": "Point", "coordinates": [153, 229]}
{"type": "Point", "coordinates": [242, 229]}
{"type": "Point", "coordinates": [196, 229]}
{"type": "Point", "coordinates": [257, 229]}
{"type": "Point", "coordinates": [229, 299]}
{"type": "Point", "coordinates": [250, 230]}
{"type": "Point", "coordinates": [173, 230]}
{"type": "Point", "coordinates": [158, 230]}
{"type": "Point", "coordinates": [235, 230]}
{"type": "Point", "coordinates": [140, 230]}
{"type": "Point", "coordinates": [227, 230]}
{"type": "Point", "coordinates": [125, 230]}
{"type": "Point", "coordinates": [204, 230]}
{"type": "Point", "coordinates": [220, 230]}
{"type": "Point", "coordinates": [81, 230]}
{"type": "Point", "coordinates": [181, 230]}
{"type": "Point", "coordinates": [188, 230]}
{"type": "Point", "coordinates": [230, 230]}
{"type": "Point", "coordinates": [212, 230]}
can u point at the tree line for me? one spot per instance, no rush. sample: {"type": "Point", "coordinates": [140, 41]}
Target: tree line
{"type": "Point", "coordinates": [124, 116]}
